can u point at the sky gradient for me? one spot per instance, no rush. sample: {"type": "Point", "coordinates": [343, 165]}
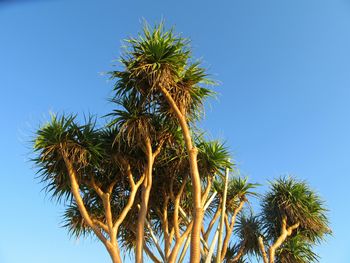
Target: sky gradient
{"type": "Point", "coordinates": [283, 105]}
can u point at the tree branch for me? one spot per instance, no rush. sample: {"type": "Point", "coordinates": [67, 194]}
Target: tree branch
{"type": "Point", "coordinates": [159, 148]}
{"type": "Point", "coordinates": [211, 223]}
{"type": "Point", "coordinates": [195, 178]}
{"type": "Point", "coordinates": [239, 253]}
{"type": "Point", "coordinates": [176, 209]}
{"type": "Point", "coordinates": [230, 229]}
{"type": "Point", "coordinates": [285, 232]}
{"type": "Point", "coordinates": [155, 240]}
{"type": "Point", "coordinates": [134, 188]}
{"type": "Point", "coordinates": [262, 249]}
{"type": "Point", "coordinates": [207, 191]}
{"type": "Point", "coordinates": [178, 243]}
{"type": "Point", "coordinates": [78, 199]}
{"type": "Point", "coordinates": [151, 255]}
{"type": "Point", "coordinates": [100, 224]}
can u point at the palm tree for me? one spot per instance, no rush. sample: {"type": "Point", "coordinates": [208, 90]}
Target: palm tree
{"type": "Point", "coordinates": [87, 169]}
{"type": "Point", "coordinates": [152, 143]}
{"type": "Point", "coordinates": [168, 199]}
{"type": "Point", "coordinates": [248, 229]}
{"type": "Point", "coordinates": [171, 199]}
{"type": "Point", "coordinates": [294, 218]}
{"type": "Point", "coordinates": [238, 191]}
{"type": "Point", "coordinates": [157, 65]}
{"type": "Point", "coordinates": [296, 250]}
{"type": "Point", "coordinates": [140, 126]}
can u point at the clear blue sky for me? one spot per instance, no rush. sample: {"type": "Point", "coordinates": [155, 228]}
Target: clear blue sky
{"type": "Point", "coordinates": [284, 105]}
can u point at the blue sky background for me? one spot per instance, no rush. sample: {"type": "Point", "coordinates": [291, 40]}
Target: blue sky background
{"type": "Point", "coordinates": [284, 103]}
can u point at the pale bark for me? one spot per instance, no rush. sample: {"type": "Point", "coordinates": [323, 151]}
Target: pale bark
{"type": "Point", "coordinates": [179, 239]}
{"type": "Point", "coordinates": [262, 250]}
{"type": "Point", "coordinates": [207, 191]}
{"type": "Point", "coordinates": [212, 222]}
{"type": "Point", "coordinates": [206, 205]}
{"type": "Point", "coordinates": [196, 183]}
{"type": "Point", "coordinates": [212, 247]}
{"type": "Point", "coordinates": [222, 218]}
{"type": "Point", "coordinates": [112, 249]}
{"type": "Point", "coordinates": [239, 253]}
{"type": "Point", "coordinates": [184, 249]}
{"type": "Point", "coordinates": [165, 225]}
{"type": "Point", "coordinates": [155, 240]}
{"type": "Point", "coordinates": [134, 188]}
{"type": "Point", "coordinates": [146, 190]}
{"type": "Point", "coordinates": [111, 227]}
{"type": "Point", "coordinates": [114, 253]}
{"type": "Point", "coordinates": [105, 197]}
{"type": "Point", "coordinates": [230, 229]}
{"type": "Point", "coordinates": [178, 243]}
{"type": "Point", "coordinates": [188, 221]}
{"type": "Point", "coordinates": [176, 200]}
{"type": "Point", "coordinates": [285, 232]}
{"type": "Point", "coordinates": [153, 257]}
{"type": "Point", "coordinates": [176, 230]}
{"type": "Point", "coordinates": [100, 225]}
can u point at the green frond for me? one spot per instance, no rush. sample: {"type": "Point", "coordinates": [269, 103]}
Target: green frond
{"type": "Point", "coordinates": [300, 204]}
{"type": "Point", "coordinates": [160, 58]}
{"type": "Point", "coordinates": [63, 136]}
{"type": "Point", "coordinates": [238, 190]}
{"type": "Point", "coordinates": [213, 157]}
{"type": "Point", "coordinates": [231, 252]}
{"type": "Point", "coordinates": [133, 121]}
{"type": "Point", "coordinates": [248, 229]}
{"type": "Point", "coordinates": [296, 250]}
{"type": "Point", "coordinates": [74, 222]}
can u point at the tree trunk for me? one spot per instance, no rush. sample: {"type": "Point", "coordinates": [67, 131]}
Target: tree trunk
{"type": "Point", "coordinates": [262, 250]}
{"type": "Point", "coordinates": [285, 232]}
{"type": "Point", "coordinates": [146, 189]}
{"type": "Point", "coordinates": [114, 253]}
{"type": "Point", "coordinates": [198, 210]}
{"type": "Point", "coordinates": [113, 250]}
{"type": "Point", "coordinates": [239, 253]}
{"type": "Point", "coordinates": [222, 219]}
{"type": "Point", "coordinates": [176, 249]}
{"type": "Point", "coordinates": [230, 229]}
{"type": "Point", "coordinates": [196, 183]}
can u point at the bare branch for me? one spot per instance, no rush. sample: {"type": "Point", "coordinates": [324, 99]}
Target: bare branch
{"type": "Point", "coordinates": [101, 225]}
{"type": "Point", "coordinates": [159, 148]}
{"type": "Point", "coordinates": [79, 201]}
{"type": "Point", "coordinates": [239, 253]}
{"type": "Point", "coordinates": [151, 255]}
{"type": "Point", "coordinates": [207, 190]}
{"type": "Point", "coordinates": [134, 188]}
{"type": "Point", "coordinates": [155, 240]}
{"type": "Point", "coordinates": [111, 186]}
{"type": "Point", "coordinates": [262, 249]}
{"type": "Point", "coordinates": [285, 232]}
{"type": "Point", "coordinates": [176, 209]}
{"type": "Point", "coordinates": [97, 189]}
{"type": "Point", "coordinates": [230, 229]}
{"type": "Point", "coordinates": [212, 222]}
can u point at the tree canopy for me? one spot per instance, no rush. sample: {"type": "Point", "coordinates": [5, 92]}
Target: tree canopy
{"type": "Point", "coordinates": [149, 182]}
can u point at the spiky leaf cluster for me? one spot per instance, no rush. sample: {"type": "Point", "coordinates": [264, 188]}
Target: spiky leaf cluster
{"type": "Point", "coordinates": [157, 59]}
{"type": "Point", "coordinates": [299, 204]}
{"type": "Point", "coordinates": [296, 250]}
{"type": "Point", "coordinates": [238, 190]}
{"type": "Point", "coordinates": [95, 156]}
{"type": "Point", "coordinates": [157, 65]}
{"type": "Point", "coordinates": [247, 230]}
